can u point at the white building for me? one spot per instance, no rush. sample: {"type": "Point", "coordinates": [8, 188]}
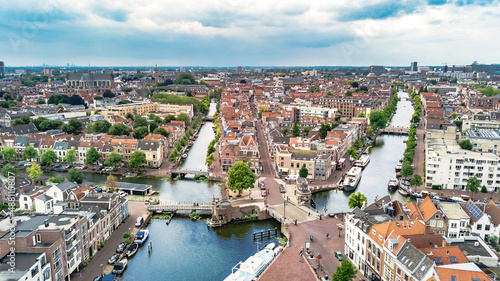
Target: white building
{"type": "Point", "coordinates": [450, 166]}
{"type": "Point", "coordinates": [458, 220]}
{"type": "Point", "coordinates": [28, 267]}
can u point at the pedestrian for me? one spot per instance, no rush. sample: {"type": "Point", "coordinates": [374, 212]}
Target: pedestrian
{"type": "Point", "coordinates": [328, 234]}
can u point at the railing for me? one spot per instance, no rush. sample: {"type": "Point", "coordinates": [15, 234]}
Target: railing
{"type": "Point", "coordinates": [180, 206]}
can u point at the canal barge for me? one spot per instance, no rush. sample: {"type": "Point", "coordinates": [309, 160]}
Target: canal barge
{"type": "Point", "coordinates": [351, 179]}
{"type": "Point", "coordinates": [362, 161]}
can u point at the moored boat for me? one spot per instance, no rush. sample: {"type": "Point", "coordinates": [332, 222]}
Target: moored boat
{"type": "Point", "coordinates": [141, 236]}
{"type": "Point", "coordinates": [184, 156]}
{"type": "Point", "coordinates": [362, 161]}
{"type": "Point", "coordinates": [132, 249]}
{"type": "Point", "coordinates": [393, 184]}
{"type": "Point", "coordinates": [351, 179]}
{"type": "Point", "coordinates": [254, 265]}
{"type": "Point", "coordinates": [398, 167]}
{"type": "Point", "coordinates": [403, 192]}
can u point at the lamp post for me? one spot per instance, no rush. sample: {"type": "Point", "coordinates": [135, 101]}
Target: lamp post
{"type": "Point", "coordinates": [101, 270]}
{"type": "Point", "coordinates": [284, 205]}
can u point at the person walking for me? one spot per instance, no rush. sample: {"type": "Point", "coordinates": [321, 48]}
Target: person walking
{"type": "Point", "coordinates": [327, 235]}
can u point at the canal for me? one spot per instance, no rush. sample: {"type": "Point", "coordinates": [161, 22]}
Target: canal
{"type": "Point", "coordinates": [385, 153]}
{"type": "Point", "coordinates": [187, 250]}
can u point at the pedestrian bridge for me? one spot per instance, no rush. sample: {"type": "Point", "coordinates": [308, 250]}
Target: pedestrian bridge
{"type": "Point", "coordinates": [202, 208]}
{"type": "Point", "coordinates": [395, 131]}
{"type": "Point", "coordinates": [183, 173]}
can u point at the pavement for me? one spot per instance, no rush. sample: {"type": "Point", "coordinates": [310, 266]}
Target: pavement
{"type": "Point", "coordinates": [93, 269]}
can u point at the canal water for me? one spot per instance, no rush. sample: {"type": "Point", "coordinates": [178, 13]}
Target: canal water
{"type": "Point", "coordinates": [384, 153]}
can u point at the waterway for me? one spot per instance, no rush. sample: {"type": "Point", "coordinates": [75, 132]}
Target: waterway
{"type": "Point", "coordinates": [385, 153]}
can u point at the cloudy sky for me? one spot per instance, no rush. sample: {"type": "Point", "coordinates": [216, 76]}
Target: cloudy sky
{"type": "Point", "coordinates": [249, 33]}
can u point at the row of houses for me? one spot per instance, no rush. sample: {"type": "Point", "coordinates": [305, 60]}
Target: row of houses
{"type": "Point", "coordinates": [425, 241]}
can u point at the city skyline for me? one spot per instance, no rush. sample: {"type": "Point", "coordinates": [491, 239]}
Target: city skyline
{"type": "Point", "coordinates": [231, 33]}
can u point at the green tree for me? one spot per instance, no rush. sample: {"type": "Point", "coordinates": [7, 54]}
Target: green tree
{"type": "Point", "coordinates": [169, 118]}
{"type": "Point", "coordinates": [285, 131]}
{"type": "Point", "coordinates": [111, 183]}
{"type": "Point", "coordinates": [22, 121]}
{"type": "Point", "coordinates": [324, 129]}
{"type": "Point", "coordinates": [378, 119]}
{"type": "Point", "coordinates": [49, 156]}
{"type": "Point", "coordinates": [30, 153]}
{"type": "Point", "coordinates": [210, 158]}
{"type": "Point", "coordinates": [108, 94]}
{"type": "Point", "coordinates": [240, 177]}
{"type": "Point", "coordinates": [137, 159]}
{"type": "Point", "coordinates": [9, 153]}
{"type": "Point", "coordinates": [57, 179]}
{"type": "Point", "coordinates": [92, 156]}
{"type": "Point", "coordinates": [466, 144]}
{"type": "Point", "coordinates": [74, 126]}
{"type": "Point", "coordinates": [357, 200]}
{"type": "Point", "coordinates": [161, 131]}
{"type": "Point", "coordinates": [307, 130]}
{"type": "Point", "coordinates": [129, 116]}
{"type": "Point", "coordinates": [75, 175]}
{"type": "Point", "coordinates": [185, 78]}
{"type": "Point", "coordinates": [34, 172]}
{"type": "Point", "coordinates": [352, 152]}
{"type": "Point", "coordinates": [484, 189]}
{"type": "Point", "coordinates": [173, 156]}
{"type": "Point", "coordinates": [8, 170]}
{"type": "Point", "coordinates": [114, 159]}
{"type": "Point", "coordinates": [140, 132]}
{"type": "Point", "coordinates": [140, 121]}
{"type": "Point", "coordinates": [184, 117]}
{"type": "Point", "coordinates": [473, 184]}
{"type": "Point", "coordinates": [345, 272]}
{"type": "Point", "coordinates": [357, 144]}
{"type": "Point", "coordinates": [303, 172]}
{"type": "Point", "coordinates": [70, 156]}
{"type": "Point", "coordinates": [406, 169]}
{"type": "Point", "coordinates": [295, 130]}
{"type": "Point", "coordinates": [118, 129]}
{"type": "Point", "coordinates": [152, 127]}
{"type": "Point", "coordinates": [361, 114]}
{"type": "Point", "coordinates": [416, 180]}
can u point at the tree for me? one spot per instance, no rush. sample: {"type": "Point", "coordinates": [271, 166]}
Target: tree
{"type": "Point", "coordinates": [8, 170]}
{"type": "Point", "coordinates": [22, 121]}
{"type": "Point", "coordinates": [169, 118]}
{"type": "Point", "coordinates": [324, 129]}
{"type": "Point", "coordinates": [137, 159]}
{"type": "Point", "coordinates": [129, 116]}
{"type": "Point", "coordinates": [185, 78]}
{"type": "Point", "coordinates": [75, 175]}
{"type": "Point", "coordinates": [76, 100]}
{"type": "Point", "coordinates": [295, 130]}
{"type": "Point", "coordinates": [57, 179]}
{"type": "Point", "coordinates": [118, 129]}
{"type": "Point", "coordinates": [114, 159]}
{"type": "Point", "coordinates": [473, 184]}
{"type": "Point", "coordinates": [70, 156]}
{"type": "Point", "coordinates": [108, 94]}
{"type": "Point", "coordinates": [357, 200]}
{"type": "Point", "coordinates": [29, 153]}
{"type": "Point", "coordinates": [140, 132]}
{"type": "Point", "coordinates": [285, 131]}
{"type": "Point", "coordinates": [303, 172]}
{"type": "Point", "coordinates": [161, 131]}
{"type": "Point", "coordinates": [378, 119]}
{"type": "Point", "coordinates": [110, 183]}
{"type": "Point", "coordinates": [484, 189]}
{"type": "Point", "coordinates": [92, 156]}
{"type": "Point", "coordinates": [210, 158]}
{"type": "Point", "coordinates": [9, 153]}
{"type": "Point", "coordinates": [352, 152]}
{"type": "Point", "coordinates": [34, 172]}
{"type": "Point", "coordinates": [357, 144]}
{"type": "Point", "coordinates": [493, 240]}
{"type": "Point", "coordinates": [152, 127]}
{"type": "Point", "coordinates": [102, 126]}
{"type": "Point", "coordinates": [49, 156]}
{"type": "Point", "coordinates": [416, 180]}
{"type": "Point", "coordinates": [466, 144]}
{"type": "Point", "coordinates": [140, 121]}
{"type": "Point", "coordinates": [240, 177]}
{"type": "Point", "coordinates": [361, 114]}
{"type": "Point", "coordinates": [406, 169]}
{"type": "Point", "coordinates": [307, 130]}
{"type": "Point", "coordinates": [74, 126]}
{"type": "Point", "coordinates": [345, 272]}
{"type": "Point", "coordinates": [184, 117]}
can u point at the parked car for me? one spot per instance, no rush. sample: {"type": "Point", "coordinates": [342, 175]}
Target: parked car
{"type": "Point", "coordinates": [282, 189]}
{"type": "Point", "coordinates": [109, 277]}
{"type": "Point", "coordinates": [122, 194]}
{"type": "Point", "coordinates": [22, 163]}
{"type": "Point", "coordinates": [43, 164]}
{"type": "Point", "coordinates": [114, 258]}
{"type": "Point", "coordinates": [57, 166]}
{"type": "Point", "coordinates": [98, 189]}
{"type": "Point", "coordinates": [139, 221]}
{"type": "Point", "coordinates": [69, 166]}
{"type": "Point", "coordinates": [263, 193]}
{"type": "Point", "coordinates": [98, 278]}
{"type": "Point", "coordinates": [84, 167]}
{"type": "Point", "coordinates": [339, 256]}
{"type": "Point", "coordinates": [27, 164]}
{"type": "Point", "coordinates": [61, 170]}
{"type": "Point", "coordinates": [121, 247]}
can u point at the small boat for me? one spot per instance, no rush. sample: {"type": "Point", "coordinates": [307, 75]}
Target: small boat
{"type": "Point", "coordinates": [120, 267]}
{"type": "Point", "coordinates": [190, 144]}
{"type": "Point", "coordinates": [362, 161]}
{"type": "Point", "coordinates": [403, 192]}
{"type": "Point", "coordinates": [425, 193]}
{"type": "Point", "coordinates": [398, 167]}
{"type": "Point", "coordinates": [393, 184]}
{"type": "Point", "coordinates": [352, 178]}
{"type": "Point", "coordinates": [132, 249]}
{"type": "Point", "coordinates": [184, 156]}
{"type": "Point", "coordinates": [195, 136]}
{"type": "Point", "coordinates": [141, 236]}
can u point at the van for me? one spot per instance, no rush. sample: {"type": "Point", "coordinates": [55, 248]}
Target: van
{"type": "Point", "coordinates": [291, 177]}
{"type": "Point", "coordinates": [139, 221]}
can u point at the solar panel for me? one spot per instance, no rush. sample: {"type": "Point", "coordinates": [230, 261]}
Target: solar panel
{"type": "Point", "coordinates": [474, 210]}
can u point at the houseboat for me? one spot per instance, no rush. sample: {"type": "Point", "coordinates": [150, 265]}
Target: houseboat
{"type": "Point", "coordinates": [393, 184]}
{"type": "Point", "coordinates": [141, 236]}
{"type": "Point", "coordinates": [362, 161]}
{"type": "Point", "coordinates": [351, 179]}
{"type": "Point", "coordinates": [252, 267]}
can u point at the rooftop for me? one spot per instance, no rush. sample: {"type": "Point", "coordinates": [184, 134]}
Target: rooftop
{"type": "Point", "coordinates": [24, 261]}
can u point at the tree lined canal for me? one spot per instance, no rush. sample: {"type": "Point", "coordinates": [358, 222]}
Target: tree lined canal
{"type": "Point", "coordinates": [385, 153]}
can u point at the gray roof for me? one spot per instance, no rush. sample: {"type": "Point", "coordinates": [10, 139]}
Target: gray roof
{"type": "Point", "coordinates": [148, 145]}
{"type": "Point", "coordinates": [416, 261]}
{"type": "Point", "coordinates": [24, 261]}
{"type": "Point", "coordinates": [44, 197]}
{"type": "Point", "coordinates": [19, 130]}
{"type": "Point", "coordinates": [133, 186]}
{"type": "Point", "coordinates": [91, 77]}
{"type": "Point", "coordinates": [65, 185]}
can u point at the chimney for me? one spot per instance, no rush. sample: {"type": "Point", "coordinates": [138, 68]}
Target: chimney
{"type": "Point", "coordinates": [46, 223]}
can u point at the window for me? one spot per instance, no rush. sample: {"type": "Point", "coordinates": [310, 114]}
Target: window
{"type": "Point", "coordinates": [398, 271]}
{"type": "Point", "coordinates": [433, 223]}
{"type": "Point", "coordinates": [406, 277]}
{"type": "Point", "coordinates": [440, 223]}
{"type": "Point", "coordinates": [453, 259]}
{"type": "Point", "coordinates": [487, 227]}
{"type": "Point", "coordinates": [453, 225]}
{"type": "Point", "coordinates": [479, 227]}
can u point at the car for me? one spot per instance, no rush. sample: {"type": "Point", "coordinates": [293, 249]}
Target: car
{"type": "Point", "coordinates": [57, 166]}
{"type": "Point", "coordinates": [69, 166]}
{"type": "Point", "coordinates": [122, 194]}
{"type": "Point", "coordinates": [121, 247]}
{"type": "Point", "coordinates": [84, 167]}
{"type": "Point", "coordinates": [263, 193]}
{"type": "Point", "coordinates": [262, 187]}
{"type": "Point", "coordinates": [43, 164]}
{"type": "Point", "coordinates": [339, 256]}
{"type": "Point", "coordinates": [100, 168]}
{"type": "Point", "coordinates": [98, 189]}
{"type": "Point", "coordinates": [114, 258]}
{"type": "Point", "coordinates": [22, 163]}
{"type": "Point", "coordinates": [282, 189]}
{"type": "Point", "coordinates": [98, 278]}
{"type": "Point", "coordinates": [27, 164]}
{"type": "Point", "coordinates": [61, 170]}
{"type": "Point", "coordinates": [139, 221]}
